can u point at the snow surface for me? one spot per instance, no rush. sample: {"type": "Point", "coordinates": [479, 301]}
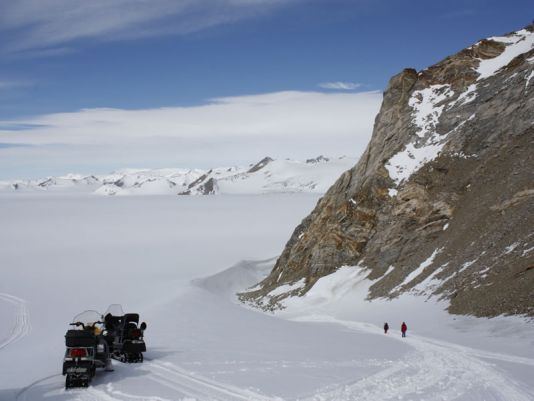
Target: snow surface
{"type": "Point", "coordinates": [389, 270]}
{"type": "Point", "coordinates": [511, 248]}
{"type": "Point", "coordinates": [517, 43]}
{"type": "Point", "coordinates": [428, 143]}
{"type": "Point", "coordinates": [467, 96]}
{"type": "Point", "coordinates": [429, 284]}
{"type": "Point", "coordinates": [418, 270]}
{"type": "Point", "coordinates": [451, 357]}
{"type": "Point", "coordinates": [427, 105]}
{"type": "Point", "coordinates": [287, 288]}
{"type": "Point", "coordinates": [402, 165]}
{"type": "Point", "coordinates": [529, 78]}
{"type": "Point", "coordinates": [287, 176]}
{"type": "Point", "coordinates": [63, 253]}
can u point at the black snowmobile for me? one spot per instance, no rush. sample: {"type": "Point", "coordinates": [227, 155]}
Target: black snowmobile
{"type": "Point", "coordinates": [87, 350]}
{"type": "Point", "coordinates": [125, 335]}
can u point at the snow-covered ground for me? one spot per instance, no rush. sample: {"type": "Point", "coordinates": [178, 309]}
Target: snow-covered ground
{"type": "Point", "coordinates": [167, 258]}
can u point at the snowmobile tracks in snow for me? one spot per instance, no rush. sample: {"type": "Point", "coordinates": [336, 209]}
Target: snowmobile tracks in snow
{"type": "Point", "coordinates": [434, 371]}
{"type": "Point", "coordinates": [186, 386]}
{"type": "Point", "coordinates": [198, 387]}
{"type": "Point", "coordinates": [21, 325]}
{"type": "Point", "coordinates": [22, 395]}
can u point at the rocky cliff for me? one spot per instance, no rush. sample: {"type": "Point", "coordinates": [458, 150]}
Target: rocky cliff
{"type": "Point", "coordinates": [441, 203]}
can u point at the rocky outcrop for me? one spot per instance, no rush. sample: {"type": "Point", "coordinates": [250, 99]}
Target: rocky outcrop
{"type": "Point", "coordinates": [442, 200]}
{"type": "Point", "coordinates": [261, 164]}
{"type": "Point", "coordinates": [318, 159]}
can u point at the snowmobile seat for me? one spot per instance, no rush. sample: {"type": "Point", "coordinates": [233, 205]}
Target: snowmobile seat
{"type": "Point", "coordinates": [131, 318]}
{"type": "Point", "coordinates": [112, 322]}
{"type": "Point", "coordinates": [80, 338]}
{"type": "Point", "coordinates": [134, 347]}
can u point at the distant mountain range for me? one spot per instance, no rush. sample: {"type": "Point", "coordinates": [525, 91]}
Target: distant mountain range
{"type": "Point", "coordinates": [267, 176]}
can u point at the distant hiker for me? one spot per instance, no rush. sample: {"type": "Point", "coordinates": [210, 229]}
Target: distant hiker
{"type": "Point", "coordinates": [403, 329]}
{"type": "Point", "coordinates": [386, 328]}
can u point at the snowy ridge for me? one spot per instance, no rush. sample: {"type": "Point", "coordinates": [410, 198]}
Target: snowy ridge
{"type": "Point", "coordinates": [429, 103]}
{"type": "Point", "coordinates": [517, 43]}
{"type": "Point", "coordinates": [267, 176]}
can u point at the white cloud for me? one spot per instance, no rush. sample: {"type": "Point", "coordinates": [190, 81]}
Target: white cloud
{"type": "Point", "coordinates": [40, 24]}
{"type": "Point", "coordinates": [231, 130]}
{"type": "Point", "coordinates": [347, 86]}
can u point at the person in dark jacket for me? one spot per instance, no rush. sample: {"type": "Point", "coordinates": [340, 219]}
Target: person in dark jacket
{"type": "Point", "coordinates": [404, 328]}
{"type": "Point", "coordinates": [386, 328]}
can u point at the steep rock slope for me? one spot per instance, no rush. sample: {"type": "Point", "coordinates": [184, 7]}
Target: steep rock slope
{"type": "Point", "coordinates": [442, 201]}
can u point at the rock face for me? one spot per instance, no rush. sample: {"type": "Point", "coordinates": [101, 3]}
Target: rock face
{"type": "Point", "coordinates": [441, 202]}
{"type": "Point", "coordinates": [261, 164]}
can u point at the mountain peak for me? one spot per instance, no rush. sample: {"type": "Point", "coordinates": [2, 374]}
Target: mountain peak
{"type": "Point", "coordinates": [261, 164]}
{"type": "Point", "coordinates": [318, 159]}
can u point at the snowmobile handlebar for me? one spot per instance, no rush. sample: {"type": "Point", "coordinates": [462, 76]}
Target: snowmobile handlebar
{"type": "Point", "coordinates": [92, 326]}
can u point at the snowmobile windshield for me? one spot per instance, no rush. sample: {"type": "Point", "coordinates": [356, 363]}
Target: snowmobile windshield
{"type": "Point", "coordinates": [87, 317]}
{"type": "Point", "coordinates": [114, 310]}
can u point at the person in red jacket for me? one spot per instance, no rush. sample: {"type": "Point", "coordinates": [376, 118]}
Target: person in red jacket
{"type": "Point", "coordinates": [403, 329]}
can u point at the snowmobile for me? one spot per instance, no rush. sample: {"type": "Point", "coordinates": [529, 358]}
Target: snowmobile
{"type": "Point", "coordinates": [86, 351]}
{"type": "Point", "coordinates": [125, 335]}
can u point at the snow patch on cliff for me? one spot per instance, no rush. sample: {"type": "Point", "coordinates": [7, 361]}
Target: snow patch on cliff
{"type": "Point", "coordinates": [528, 79]}
{"type": "Point", "coordinates": [408, 161]}
{"type": "Point", "coordinates": [468, 96]}
{"type": "Point", "coordinates": [283, 289]}
{"type": "Point", "coordinates": [421, 267]}
{"type": "Point", "coordinates": [428, 104]}
{"type": "Point", "coordinates": [345, 280]}
{"type": "Point", "coordinates": [517, 43]}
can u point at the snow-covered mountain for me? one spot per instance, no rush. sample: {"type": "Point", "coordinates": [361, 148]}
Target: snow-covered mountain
{"type": "Point", "coordinates": [267, 176]}
{"type": "Point", "coordinates": [70, 182]}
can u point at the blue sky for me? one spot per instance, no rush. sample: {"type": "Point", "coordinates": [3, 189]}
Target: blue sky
{"type": "Point", "coordinates": [61, 56]}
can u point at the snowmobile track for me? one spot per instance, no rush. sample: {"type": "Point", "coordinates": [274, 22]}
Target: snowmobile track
{"type": "Point", "coordinates": [435, 371]}
{"type": "Point", "coordinates": [170, 376]}
{"type": "Point", "coordinates": [21, 326]}
{"type": "Point", "coordinates": [199, 387]}
{"type": "Point", "coordinates": [21, 395]}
